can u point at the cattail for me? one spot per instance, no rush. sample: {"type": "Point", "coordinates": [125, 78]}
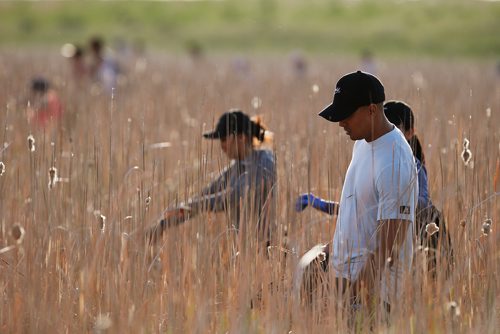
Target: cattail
{"type": "Point", "coordinates": [52, 177]}
{"type": "Point", "coordinates": [431, 228]}
{"type": "Point", "coordinates": [2, 168]}
{"type": "Point", "coordinates": [466, 156]}
{"type": "Point", "coordinates": [466, 143]}
{"type": "Point", "coordinates": [453, 309]}
{"type": "Point", "coordinates": [148, 200]}
{"type": "Point", "coordinates": [486, 229]}
{"type": "Point", "coordinates": [102, 222]}
{"type": "Point", "coordinates": [462, 223]}
{"type": "Point", "coordinates": [17, 233]}
{"type": "Point", "coordinates": [31, 143]}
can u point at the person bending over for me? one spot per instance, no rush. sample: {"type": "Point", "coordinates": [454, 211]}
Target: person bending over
{"type": "Point", "coordinates": [245, 189]}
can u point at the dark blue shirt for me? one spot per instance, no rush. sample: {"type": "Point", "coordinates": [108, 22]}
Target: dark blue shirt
{"type": "Point", "coordinates": [423, 191]}
{"type": "Point", "coordinates": [245, 187]}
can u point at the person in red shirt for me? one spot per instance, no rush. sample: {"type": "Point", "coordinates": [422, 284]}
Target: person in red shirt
{"type": "Point", "coordinates": [44, 104]}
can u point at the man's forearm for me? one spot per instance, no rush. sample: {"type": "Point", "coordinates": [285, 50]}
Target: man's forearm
{"type": "Point", "coordinates": [391, 236]}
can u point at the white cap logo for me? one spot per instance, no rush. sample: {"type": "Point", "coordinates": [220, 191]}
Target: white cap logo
{"type": "Point", "coordinates": [337, 90]}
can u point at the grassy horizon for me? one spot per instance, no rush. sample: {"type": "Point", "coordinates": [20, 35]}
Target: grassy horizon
{"type": "Point", "coordinates": [440, 29]}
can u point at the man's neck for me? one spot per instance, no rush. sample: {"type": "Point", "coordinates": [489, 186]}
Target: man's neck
{"type": "Point", "coordinates": [382, 128]}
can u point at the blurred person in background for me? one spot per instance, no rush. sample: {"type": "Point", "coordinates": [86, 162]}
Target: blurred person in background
{"type": "Point", "coordinates": [368, 63]}
{"type": "Point", "coordinates": [245, 189]}
{"type": "Point", "coordinates": [75, 54]}
{"type": "Point", "coordinates": [44, 106]}
{"type": "Point", "coordinates": [103, 68]}
{"type": "Point", "coordinates": [373, 241]}
{"type": "Point", "coordinates": [195, 50]}
{"type": "Point", "coordinates": [298, 63]}
{"type": "Point", "coordinates": [78, 66]}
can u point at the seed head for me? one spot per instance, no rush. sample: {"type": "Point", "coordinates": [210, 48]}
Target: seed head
{"type": "Point", "coordinates": [102, 222]}
{"type": "Point", "coordinates": [466, 156]}
{"type": "Point", "coordinates": [2, 168]}
{"type": "Point", "coordinates": [466, 143]}
{"type": "Point", "coordinates": [453, 308]}
{"type": "Point", "coordinates": [486, 229]}
{"type": "Point", "coordinates": [52, 177]}
{"type": "Point", "coordinates": [17, 233]}
{"type": "Point", "coordinates": [321, 257]}
{"type": "Point", "coordinates": [31, 143]}
{"type": "Point", "coordinates": [148, 200]}
{"type": "Point", "coordinates": [431, 228]}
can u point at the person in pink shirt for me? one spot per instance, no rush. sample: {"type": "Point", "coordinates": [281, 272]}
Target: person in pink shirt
{"type": "Point", "coordinates": [44, 104]}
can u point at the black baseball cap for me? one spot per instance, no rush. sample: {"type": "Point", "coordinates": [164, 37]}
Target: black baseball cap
{"type": "Point", "coordinates": [353, 90]}
{"type": "Point", "coordinates": [234, 121]}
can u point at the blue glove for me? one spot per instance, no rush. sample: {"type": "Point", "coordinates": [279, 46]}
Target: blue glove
{"type": "Point", "coordinates": [303, 201]}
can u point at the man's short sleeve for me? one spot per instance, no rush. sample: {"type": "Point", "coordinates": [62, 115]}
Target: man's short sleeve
{"type": "Point", "coordinates": [396, 188]}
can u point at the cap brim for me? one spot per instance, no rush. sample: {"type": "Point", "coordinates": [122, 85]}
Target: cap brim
{"type": "Point", "coordinates": [212, 135]}
{"type": "Point", "coordinates": [337, 111]}
{"type": "Point", "coordinates": [329, 114]}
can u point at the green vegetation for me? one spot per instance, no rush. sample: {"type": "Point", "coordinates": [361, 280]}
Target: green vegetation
{"type": "Point", "coordinates": [444, 28]}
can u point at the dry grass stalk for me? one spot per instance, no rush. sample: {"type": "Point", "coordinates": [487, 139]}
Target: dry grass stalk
{"type": "Point", "coordinates": [208, 275]}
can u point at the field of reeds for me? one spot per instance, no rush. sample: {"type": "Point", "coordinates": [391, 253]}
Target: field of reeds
{"type": "Point", "coordinates": [70, 262]}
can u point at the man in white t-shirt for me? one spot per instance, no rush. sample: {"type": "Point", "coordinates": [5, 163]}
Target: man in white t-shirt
{"type": "Point", "coordinates": [373, 241]}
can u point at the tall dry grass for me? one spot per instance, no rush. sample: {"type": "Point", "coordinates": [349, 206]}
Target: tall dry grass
{"type": "Point", "coordinates": [79, 269]}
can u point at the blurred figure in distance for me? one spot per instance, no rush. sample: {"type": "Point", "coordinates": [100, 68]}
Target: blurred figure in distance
{"type": "Point", "coordinates": [103, 68]}
{"type": "Point", "coordinates": [44, 104]}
